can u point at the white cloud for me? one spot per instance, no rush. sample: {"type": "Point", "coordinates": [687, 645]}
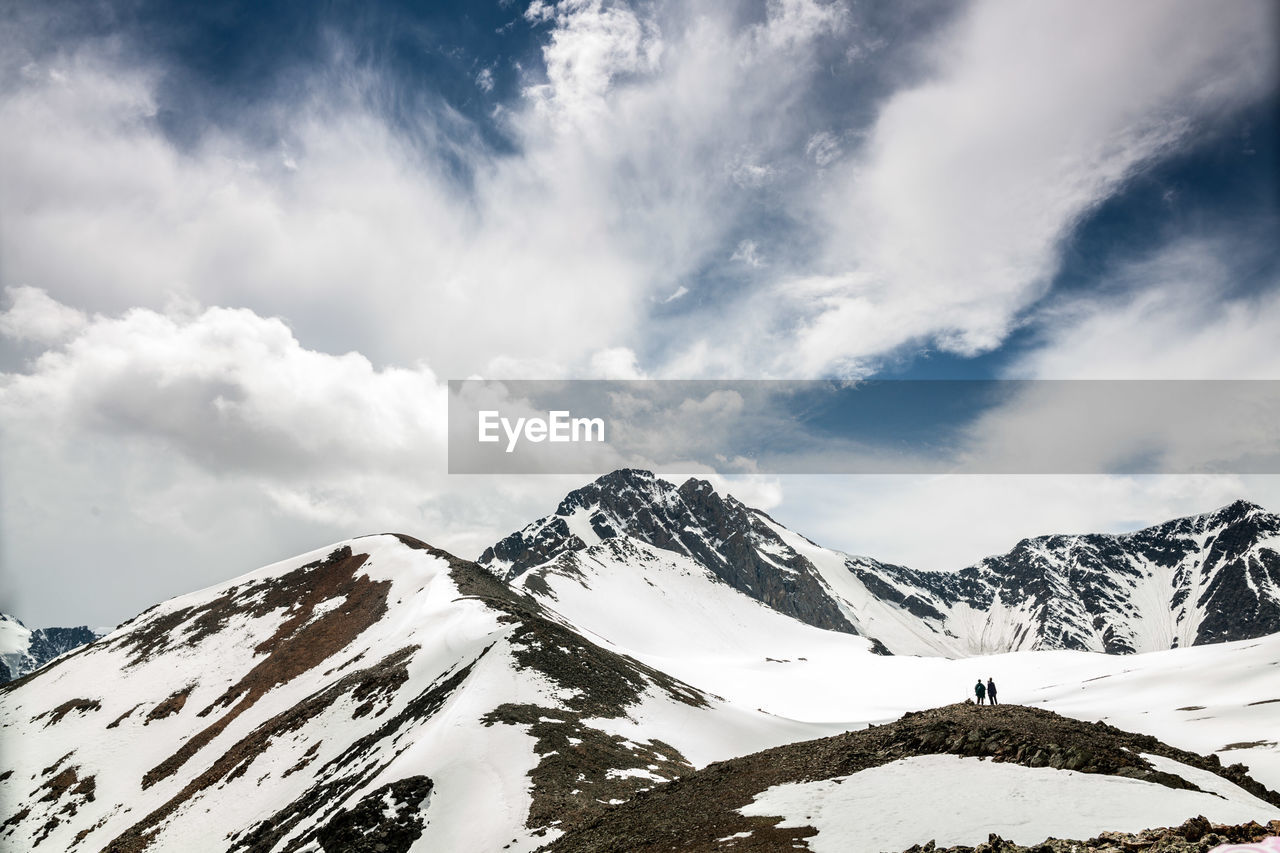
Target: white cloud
{"type": "Point", "coordinates": [617, 363]}
{"type": "Point", "coordinates": [795, 23]}
{"type": "Point", "coordinates": [1169, 316]}
{"type": "Point", "coordinates": [362, 234]}
{"type": "Point", "coordinates": [232, 392]}
{"type": "Point", "coordinates": [679, 292]}
{"type": "Point", "coordinates": [590, 46]}
{"type": "Point", "coordinates": [1172, 315]}
{"type": "Point", "coordinates": [748, 253]}
{"type": "Point", "coordinates": [175, 450]}
{"type": "Point", "coordinates": [33, 316]}
{"type": "Point", "coordinates": [948, 220]}
{"type": "Point", "coordinates": [751, 175]}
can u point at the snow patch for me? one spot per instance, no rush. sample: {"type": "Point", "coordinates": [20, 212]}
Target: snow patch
{"type": "Point", "coordinates": [885, 808]}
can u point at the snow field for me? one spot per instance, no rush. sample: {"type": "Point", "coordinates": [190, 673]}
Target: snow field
{"type": "Point", "coordinates": [955, 800]}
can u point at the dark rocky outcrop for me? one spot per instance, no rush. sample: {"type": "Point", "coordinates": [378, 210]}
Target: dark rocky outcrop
{"type": "Point", "coordinates": [701, 807]}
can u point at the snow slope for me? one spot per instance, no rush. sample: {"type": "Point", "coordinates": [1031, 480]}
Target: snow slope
{"type": "Point", "coordinates": [669, 611]}
{"type": "Point", "coordinates": [286, 704]}
{"type": "Point", "coordinates": [968, 798]}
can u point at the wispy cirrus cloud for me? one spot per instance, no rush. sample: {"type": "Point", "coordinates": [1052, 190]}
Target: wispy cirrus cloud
{"type": "Point", "coordinates": [948, 220]}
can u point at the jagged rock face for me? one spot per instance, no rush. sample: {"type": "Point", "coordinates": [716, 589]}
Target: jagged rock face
{"type": "Point", "coordinates": [720, 533]}
{"type": "Point", "coordinates": [1203, 579]}
{"type": "Point", "coordinates": [26, 650]}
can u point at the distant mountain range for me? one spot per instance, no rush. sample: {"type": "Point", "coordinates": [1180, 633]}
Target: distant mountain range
{"type": "Point", "coordinates": [24, 650]}
{"type": "Point", "coordinates": [1201, 579]}
{"type": "Point", "coordinates": [651, 667]}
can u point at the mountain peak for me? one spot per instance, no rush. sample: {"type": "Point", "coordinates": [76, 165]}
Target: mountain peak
{"type": "Point", "coordinates": [728, 539]}
{"type": "Point", "coordinates": [1238, 509]}
{"type": "Point", "coordinates": [622, 485]}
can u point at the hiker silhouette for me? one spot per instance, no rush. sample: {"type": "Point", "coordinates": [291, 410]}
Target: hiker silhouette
{"type": "Point", "coordinates": [980, 690]}
{"type": "Point", "coordinates": [991, 691]}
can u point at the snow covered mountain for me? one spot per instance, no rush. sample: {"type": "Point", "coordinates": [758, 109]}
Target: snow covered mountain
{"type": "Point", "coordinates": [1203, 579]}
{"type": "Point", "coordinates": [380, 694]}
{"type": "Point", "coordinates": [737, 544]}
{"type": "Point", "coordinates": [23, 650]}
{"type": "Point", "coordinates": [378, 689]}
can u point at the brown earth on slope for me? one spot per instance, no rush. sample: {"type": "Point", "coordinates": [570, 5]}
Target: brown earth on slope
{"type": "Point", "coordinates": [698, 812]}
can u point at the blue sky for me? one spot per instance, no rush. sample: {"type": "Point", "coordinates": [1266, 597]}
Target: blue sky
{"type": "Point", "coordinates": [244, 245]}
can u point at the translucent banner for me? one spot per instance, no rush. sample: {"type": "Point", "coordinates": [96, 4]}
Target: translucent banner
{"type": "Point", "coordinates": [873, 427]}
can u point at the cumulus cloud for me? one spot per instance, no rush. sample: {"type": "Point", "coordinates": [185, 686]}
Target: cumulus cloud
{"type": "Point", "coordinates": [230, 391]}
{"type": "Point", "coordinates": [617, 362]}
{"type": "Point", "coordinates": [188, 446]}
{"type": "Point", "coordinates": [34, 316]}
{"type": "Point", "coordinates": [589, 47]}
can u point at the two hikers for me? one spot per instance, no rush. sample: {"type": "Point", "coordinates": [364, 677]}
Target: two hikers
{"type": "Point", "coordinates": [985, 691]}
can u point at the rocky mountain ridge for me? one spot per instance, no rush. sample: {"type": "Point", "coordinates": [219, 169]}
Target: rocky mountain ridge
{"type": "Point", "coordinates": [720, 533]}
{"type": "Point", "coordinates": [24, 650]}
{"type": "Point", "coordinates": [1201, 579]}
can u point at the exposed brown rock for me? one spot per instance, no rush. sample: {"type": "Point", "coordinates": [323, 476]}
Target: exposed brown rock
{"type": "Point", "coordinates": [81, 706]}
{"type": "Point", "coordinates": [120, 719]}
{"type": "Point", "coordinates": [169, 706]}
{"type": "Point", "coordinates": [698, 808]}
{"type": "Point", "coordinates": [298, 644]}
{"type": "Point", "coordinates": [237, 759]}
{"type": "Point", "coordinates": [347, 772]}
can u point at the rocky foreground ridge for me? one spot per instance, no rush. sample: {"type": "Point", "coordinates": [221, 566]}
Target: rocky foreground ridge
{"type": "Point", "coordinates": [700, 810]}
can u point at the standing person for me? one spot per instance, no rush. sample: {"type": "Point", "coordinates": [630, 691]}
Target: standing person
{"type": "Point", "coordinates": [991, 691]}
{"type": "Point", "coordinates": [979, 690]}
